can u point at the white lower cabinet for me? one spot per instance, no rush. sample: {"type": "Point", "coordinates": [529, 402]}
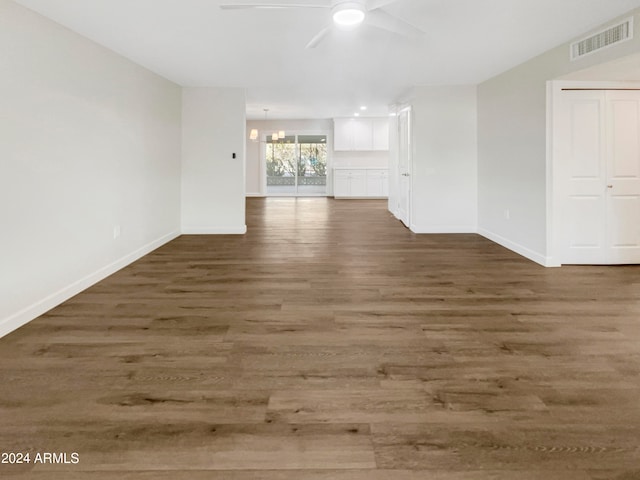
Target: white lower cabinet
{"type": "Point", "coordinates": [341, 183]}
{"type": "Point", "coordinates": [360, 183]}
{"type": "Point", "coordinates": [377, 183]}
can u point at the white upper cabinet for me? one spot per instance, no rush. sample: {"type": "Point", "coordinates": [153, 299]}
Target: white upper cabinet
{"type": "Point", "coordinates": [363, 134]}
{"type": "Point", "coordinates": [360, 134]}
{"type": "Point", "coordinates": [343, 134]}
{"type": "Point", "coordinates": [380, 133]}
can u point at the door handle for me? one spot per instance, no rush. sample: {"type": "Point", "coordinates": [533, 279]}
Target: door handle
{"type": "Point", "coordinates": [609, 186]}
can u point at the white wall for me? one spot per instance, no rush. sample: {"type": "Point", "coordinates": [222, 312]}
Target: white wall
{"type": "Point", "coordinates": [88, 141]}
{"type": "Point", "coordinates": [213, 183]}
{"type": "Point", "coordinates": [512, 147]}
{"type": "Point", "coordinates": [375, 159]}
{"type": "Point", "coordinates": [444, 169]}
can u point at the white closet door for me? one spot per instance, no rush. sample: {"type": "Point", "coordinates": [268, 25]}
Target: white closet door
{"type": "Point", "coordinates": [583, 215]}
{"type": "Point", "coordinates": [623, 176]}
{"type": "Point", "coordinates": [600, 152]}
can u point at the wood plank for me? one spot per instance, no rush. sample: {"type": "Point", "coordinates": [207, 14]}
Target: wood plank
{"type": "Point", "coordinates": [509, 447]}
{"type": "Point", "coordinates": [378, 474]}
{"type": "Point", "coordinates": [330, 342]}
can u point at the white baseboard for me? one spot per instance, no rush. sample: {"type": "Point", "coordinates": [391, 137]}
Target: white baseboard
{"type": "Point", "coordinates": [358, 198]}
{"type": "Point", "coordinates": [517, 248]}
{"type": "Point", "coordinates": [444, 229]}
{"type": "Point", "coordinates": [40, 307]}
{"type": "Point", "coordinates": [214, 230]}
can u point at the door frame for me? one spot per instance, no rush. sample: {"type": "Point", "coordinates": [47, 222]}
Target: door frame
{"type": "Point", "coordinates": [556, 187]}
{"type": "Point", "coordinates": [263, 162]}
{"type": "Point", "coordinates": [397, 174]}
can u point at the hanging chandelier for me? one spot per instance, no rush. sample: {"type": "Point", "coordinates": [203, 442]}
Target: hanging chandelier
{"type": "Point", "coordinates": [275, 136]}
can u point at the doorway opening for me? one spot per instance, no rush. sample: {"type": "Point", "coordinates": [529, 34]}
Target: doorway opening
{"type": "Point", "coordinates": [296, 165]}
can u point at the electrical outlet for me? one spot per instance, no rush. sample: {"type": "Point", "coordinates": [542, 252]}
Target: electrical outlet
{"type": "Point", "coordinates": [116, 232]}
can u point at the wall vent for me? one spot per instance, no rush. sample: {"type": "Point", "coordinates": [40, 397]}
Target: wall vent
{"type": "Point", "coordinates": [603, 39]}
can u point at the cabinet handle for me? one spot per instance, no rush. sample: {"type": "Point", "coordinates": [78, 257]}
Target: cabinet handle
{"type": "Point", "coordinates": [609, 186]}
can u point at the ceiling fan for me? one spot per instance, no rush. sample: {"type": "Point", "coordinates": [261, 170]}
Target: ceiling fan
{"type": "Point", "coordinates": [346, 15]}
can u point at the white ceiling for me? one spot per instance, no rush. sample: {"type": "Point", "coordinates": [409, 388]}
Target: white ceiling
{"type": "Point", "coordinates": [195, 43]}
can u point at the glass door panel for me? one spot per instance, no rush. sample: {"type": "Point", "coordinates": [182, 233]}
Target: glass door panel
{"type": "Point", "coordinates": [281, 162]}
{"type": "Point", "coordinates": [312, 164]}
{"type": "Point", "coordinates": [296, 165]}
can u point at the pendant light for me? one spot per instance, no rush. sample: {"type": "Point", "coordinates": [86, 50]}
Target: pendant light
{"type": "Point", "coordinates": [275, 136]}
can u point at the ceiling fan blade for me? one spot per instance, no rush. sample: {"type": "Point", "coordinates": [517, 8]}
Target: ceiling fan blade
{"type": "Point", "coordinates": [266, 6]}
{"type": "Point", "coordinates": [376, 4]}
{"type": "Point", "coordinates": [319, 37]}
{"type": "Point", "coordinates": [385, 21]}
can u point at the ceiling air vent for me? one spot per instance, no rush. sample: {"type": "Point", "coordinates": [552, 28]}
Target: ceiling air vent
{"type": "Point", "coordinates": [603, 39]}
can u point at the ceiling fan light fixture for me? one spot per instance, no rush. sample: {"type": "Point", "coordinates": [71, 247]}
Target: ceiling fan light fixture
{"type": "Point", "coordinates": [348, 14]}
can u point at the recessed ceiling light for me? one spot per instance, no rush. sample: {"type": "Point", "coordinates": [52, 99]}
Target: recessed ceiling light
{"type": "Point", "coordinates": [348, 14]}
{"type": "Point", "coordinates": [356, 114]}
{"type": "Point", "coordinates": [363, 108]}
{"type": "Point", "coordinates": [392, 114]}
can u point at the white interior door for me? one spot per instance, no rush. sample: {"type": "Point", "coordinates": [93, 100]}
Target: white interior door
{"type": "Point", "coordinates": [584, 170]}
{"type": "Point", "coordinates": [404, 166]}
{"type": "Point", "coordinates": [600, 163]}
{"type": "Point", "coordinates": [623, 176]}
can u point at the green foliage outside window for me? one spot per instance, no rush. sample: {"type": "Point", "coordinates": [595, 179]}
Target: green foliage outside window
{"type": "Point", "coordinates": [284, 159]}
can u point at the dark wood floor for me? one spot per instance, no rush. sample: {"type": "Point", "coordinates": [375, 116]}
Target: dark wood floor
{"type": "Point", "coordinates": [330, 343]}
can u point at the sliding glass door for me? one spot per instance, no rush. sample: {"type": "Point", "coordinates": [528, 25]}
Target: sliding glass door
{"type": "Point", "coordinates": [296, 165]}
